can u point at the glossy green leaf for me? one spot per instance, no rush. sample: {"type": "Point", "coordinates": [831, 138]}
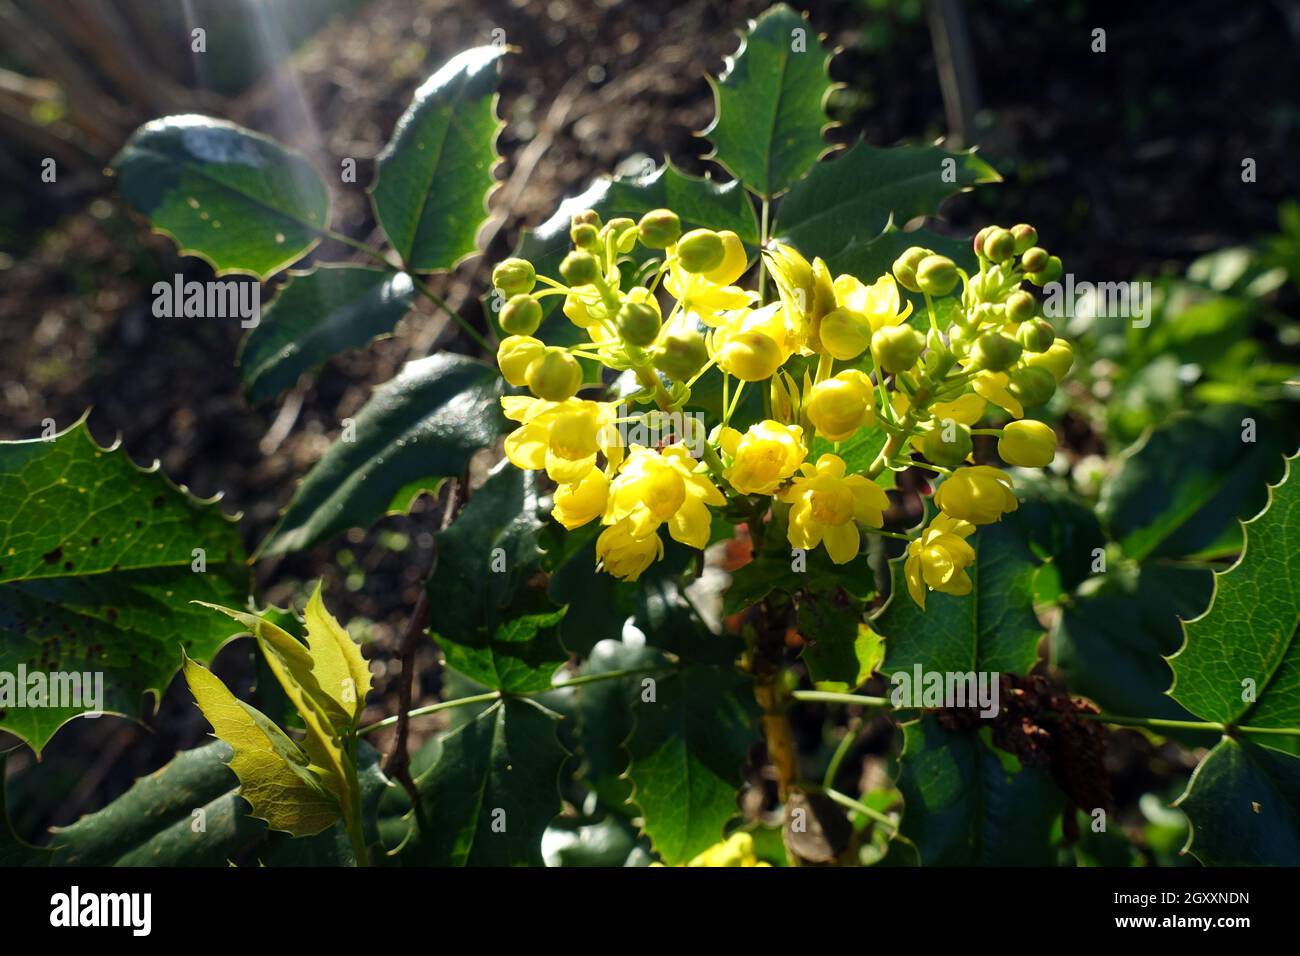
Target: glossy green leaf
{"type": "Point", "coordinates": [318, 314]}
{"type": "Point", "coordinates": [771, 103]}
{"type": "Point", "coordinates": [433, 178]}
{"type": "Point", "coordinates": [686, 752]}
{"type": "Point", "coordinates": [1181, 490]}
{"type": "Point", "coordinates": [490, 795]}
{"type": "Point", "coordinates": [427, 421]}
{"type": "Point", "coordinates": [235, 198]}
{"type": "Point", "coordinates": [848, 201]}
{"type": "Point", "coordinates": [968, 804]}
{"type": "Point", "coordinates": [699, 202]}
{"type": "Point", "coordinates": [993, 628]}
{"type": "Point", "coordinates": [1241, 661]}
{"type": "Point", "coordinates": [841, 651]}
{"type": "Point", "coordinates": [1244, 804]}
{"type": "Point", "coordinates": [97, 571]}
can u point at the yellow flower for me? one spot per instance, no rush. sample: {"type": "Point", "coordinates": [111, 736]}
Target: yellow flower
{"type": "Point", "coordinates": [979, 494]}
{"type": "Point", "coordinates": [839, 406]}
{"type": "Point", "coordinates": [581, 501]}
{"type": "Point", "coordinates": [1057, 359]}
{"type": "Point", "coordinates": [710, 295]}
{"type": "Point", "coordinates": [825, 503]}
{"type": "Point", "coordinates": [752, 344]}
{"type": "Point", "coordinates": [938, 559]}
{"type": "Point", "coordinates": [515, 354]}
{"type": "Point", "coordinates": [763, 457]}
{"type": "Point", "coordinates": [1027, 443]}
{"type": "Point", "coordinates": [806, 291]}
{"type": "Point", "coordinates": [878, 302]}
{"type": "Point", "coordinates": [736, 850]}
{"type": "Point", "coordinates": [625, 555]}
{"type": "Point", "coordinates": [561, 437]}
{"type": "Point", "coordinates": [654, 487]}
{"type": "Point", "coordinates": [992, 386]}
{"type": "Point", "coordinates": [964, 410]}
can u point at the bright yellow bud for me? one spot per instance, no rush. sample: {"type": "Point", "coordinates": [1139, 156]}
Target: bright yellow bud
{"type": "Point", "coordinates": [515, 354]}
{"type": "Point", "coordinates": [751, 356]}
{"type": "Point", "coordinates": [979, 494]}
{"type": "Point", "coordinates": [844, 334]}
{"type": "Point", "coordinates": [839, 406]}
{"type": "Point", "coordinates": [1027, 443]}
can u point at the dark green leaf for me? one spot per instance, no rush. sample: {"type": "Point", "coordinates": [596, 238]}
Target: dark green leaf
{"type": "Point", "coordinates": [14, 850]}
{"type": "Point", "coordinates": [492, 792]}
{"type": "Point", "coordinates": [433, 178]}
{"type": "Point", "coordinates": [968, 804]}
{"type": "Point", "coordinates": [841, 651]}
{"type": "Point", "coordinates": [771, 103]}
{"type": "Point", "coordinates": [427, 421]}
{"type": "Point", "coordinates": [1244, 804]}
{"type": "Point", "coordinates": [318, 314]}
{"type": "Point", "coordinates": [97, 574]}
{"type": "Point", "coordinates": [235, 198]}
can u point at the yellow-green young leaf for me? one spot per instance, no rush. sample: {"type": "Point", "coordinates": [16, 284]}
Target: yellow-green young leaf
{"type": "Point", "coordinates": [274, 775]}
{"type": "Point", "coordinates": [339, 668]}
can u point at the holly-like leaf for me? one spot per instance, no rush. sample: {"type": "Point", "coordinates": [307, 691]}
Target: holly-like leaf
{"type": "Point", "coordinates": [991, 629]}
{"type": "Point", "coordinates": [841, 651]}
{"type": "Point", "coordinates": [1243, 801]}
{"type": "Point", "coordinates": [235, 198]}
{"type": "Point", "coordinates": [274, 774]}
{"type": "Point", "coordinates": [14, 850]}
{"type": "Point", "coordinates": [686, 753]}
{"type": "Point", "coordinates": [1182, 489]}
{"type": "Point", "coordinates": [318, 314]}
{"type": "Point", "coordinates": [427, 421]}
{"type": "Point", "coordinates": [492, 791]}
{"type": "Point", "coordinates": [701, 203]}
{"type": "Point", "coordinates": [771, 103]}
{"type": "Point", "coordinates": [99, 561]}
{"type": "Point", "coordinates": [848, 201]}
{"type": "Point", "coordinates": [337, 664]}
{"type": "Point", "coordinates": [433, 178]}
{"type": "Point", "coordinates": [1241, 660]}
{"type": "Point", "coordinates": [967, 803]}
{"type": "Point", "coordinates": [153, 823]}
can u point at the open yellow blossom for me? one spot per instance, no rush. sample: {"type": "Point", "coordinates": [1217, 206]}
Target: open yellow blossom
{"type": "Point", "coordinates": [938, 559]}
{"type": "Point", "coordinates": [624, 554]}
{"type": "Point", "coordinates": [839, 406]}
{"type": "Point", "coordinates": [561, 437]}
{"type": "Point", "coordinates": [880, 302]}
{"type": "Point", "coordinates": [992, 386]}
{"type": "Point", "coordinates": [581, 501]}
{"type": "Point", "coordinates": [825, 503]}
{"type": "Point", "coordinates": [655, 487]}
{"type": "Point", "coordinates": [763, 457]}
{"type": "Point", "coordinates": [980, 494]}
{"type": "Point", "coordinates": [710, 295]}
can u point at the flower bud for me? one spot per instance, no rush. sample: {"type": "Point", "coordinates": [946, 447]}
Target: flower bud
{"type": "Point", "coordinates": [961, 336]}
{"type": "Point", "coordinates": [978, 242]}
{"type": "Point", "coordinates": [734, 260]}
{"type": "Point", "coordinates": [905, 267]}
{"type": "Point", "coordinates": [1057, 359]}
{"type": "Point", "coordinates": [624, 232]}
{"type": "Point", "coordinates": [700, 250]}
{"type": "Point", "coordinates": [584, 235]}
{"type": "Point", "coordinates": [1032, 385]}
{"type": "Point", "coordinates": [580, 268]}
{"type": "Point", "coordinates": [1049, 273]}
{"type": "Point", "coordinates": [515, 354]}
{"type": "Point", "coordinates": [1020, 306]}
{"type": "Point", "coordinates": [638, 323]}
{"type": "Point", "coordinates": [947, 444]}
{"type": "Point", "coordinates": [750, 356]}
{"type": "Point", "coordinates": [680, 355]}
{"type": "Point", "coordinates": [995, 351]}
{"type": "Point", "coordinates": [839, 406]}
{"type": "Point", "coordinates": [844, 334]}
{"type": "Point", "coordinates": [1036, 335]}
{"type": "Point", "coordinates": [999, 245]}
{"type": "Point", "coordinates": [1034, 259]}
{"type": "Point", "coordinates": [1025, 236]}
{"type": "Point", "coordinates": [555, 375]}
{"type": "Point", "coordinates": [588, 216]}
{"type": "Point", "coordinates": [936, 275]}
{"type": "Point", "coordinates": [514, 276]}
{"type": "Point", "coordinates": [1027, 443]}
{"type": "Point", "coordinates": [896, 348]}
{"type": "Point", "coordinates": [521, 315]}
{"type": "Point", "coordinates": [659, 229]}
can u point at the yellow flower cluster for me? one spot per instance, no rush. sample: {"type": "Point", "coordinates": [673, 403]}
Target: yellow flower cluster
{"type": "Point", "coordinates": [838, 360]}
